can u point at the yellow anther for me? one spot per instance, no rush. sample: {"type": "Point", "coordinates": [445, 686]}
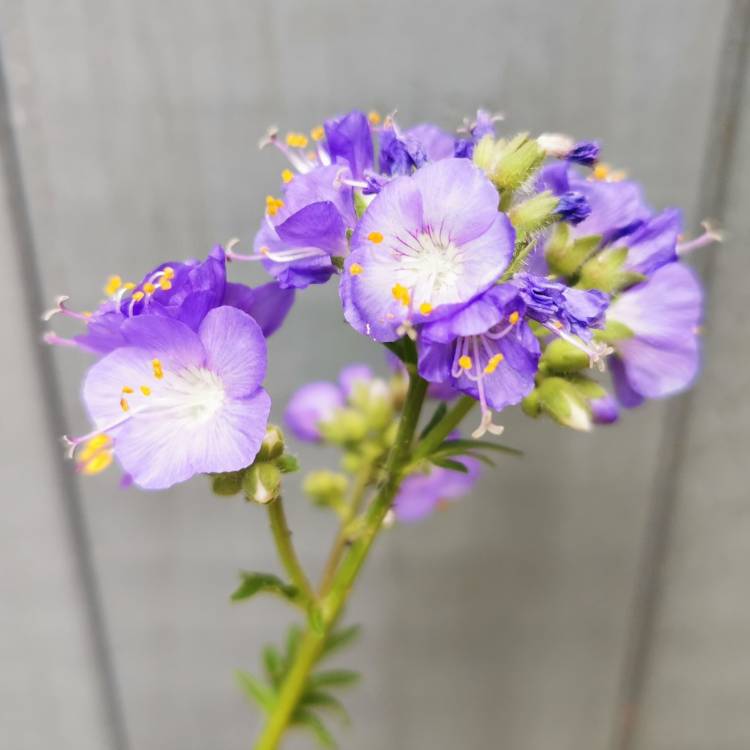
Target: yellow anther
{"type": "Point", "coordinates": [157, 368]}
{"type": "Point", "coordinates": [168, 272]}
{"type": "Point", "coordinates": [317, 133]}
{"type": "Point", "coordinates": [425, 308]}
{"type": "Point", "coordinates": [97, 463]}
{"type": "Point", "coordinates": [145, 390]}
{"type": "Point", "coordinates": [601, 171]}
{"type": "Point", "coordinates": [513, 317]}
{"type": "Point", "coordinates": [296, 140]}
{"type": "Point", "coordinates": [124, 405]}
{"type": "Point", "coordinates": [165, 284]}
{"type": "Point", "coordinates": [128, 285]}
{"type": "Point", "coordinates": [273, 205]}
{"type": "Point", "coordinates": [465, 362]}
{"type": "Point", "coordinates": [94, 446]}
{"type": "Point", "coordinates": [355, 269]}
{"type": "Point", "coordinates": [149, 288]}
{"type": "Point", "coordinates": [87, 313]}
{"type": "Point", "coordinates": [374, 117]}
{"type": "Point", "coordinates": [113, 284]}
{"type": "Point", "coordinates": [401, 294]}
{"type": "Point", "coordinates": [127, 389]}
{"type": "Point", "coordinates": [493, 363]}
{"type": "Point", "coordinates": [375, 237]}
{"type": "Point", "coordinates": [264, 250]}
{"type": "Point", "coordinates": [557, 324]}
{"type": "Point", "coordinates": [138, 296]}
{"type": "Point", "coordinates": [287, 176]}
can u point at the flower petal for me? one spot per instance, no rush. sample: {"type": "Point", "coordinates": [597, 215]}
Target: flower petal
{"type": "Point", "coordinates": [159, 452]}
{"type": "Point", "coordinates": [235, 349]}
{"type": "Point", "coordinates": [172, 342]}
{"type": "Point", "coordinates": [268, 305]}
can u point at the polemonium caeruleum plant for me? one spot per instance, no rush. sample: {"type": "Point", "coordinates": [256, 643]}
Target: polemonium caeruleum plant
{"type": "Point", "coordinates": [496, 271]}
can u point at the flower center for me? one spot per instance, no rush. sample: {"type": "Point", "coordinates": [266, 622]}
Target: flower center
{"type": "Point", "coordinates": [436, 264]}
{"type": "Point", "coordinates": [195, 392]}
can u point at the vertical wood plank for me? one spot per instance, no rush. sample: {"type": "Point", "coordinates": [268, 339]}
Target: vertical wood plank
{"type": "Point", "coordinates": [695, 676]}
{"type": "Point", "coordinates": [57, 687]}
{"type": "Point", "coordinates": [502, 619]}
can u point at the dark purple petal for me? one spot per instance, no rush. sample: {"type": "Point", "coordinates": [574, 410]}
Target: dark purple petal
{"type": "Point", "coordinates": [268, 304]}
{"type": "Point", "coordinates": [350, 140]}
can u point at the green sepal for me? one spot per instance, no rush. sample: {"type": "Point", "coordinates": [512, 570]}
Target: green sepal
{"type": "Point", "coordinates": [533, 214]}
{"type": "Point", "coordinates": [531, 405]}
{"type": "Point", "coordinates": [405, 349]}
{"type": "Point", "coordinates": [613, 332]}
{"type": "Point", "coordinates": [360, 203]}
{"type": "Point", "coordinates": [338, 261]}
{"type": "Point", "coordinates": [564, 255]}
{"type": "Point", "coordinates": [261, 483]}
{"type": "Point", "coordinates": [606, 272]}
{"type": "Point", "coordinates": [587, 387]}
{"type": "Point", "coordinates": [562, 401]}
{"type": "Point", "coordinates": [253, 583]}
{"type": "Point", "coordinates": [287, 464]}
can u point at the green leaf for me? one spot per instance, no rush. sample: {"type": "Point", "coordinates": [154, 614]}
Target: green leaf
{"type": "Point", "coordinates": [255, 583]}
{"type": "Point", "coordinates": [437, 415]}
{"type": "Point", "coordinates": [257, 691]}
{"type": "Point", "coordinates": [293, 639]}
{"type": "Point", "coordinates": [274, 665]}
{"type": "Point", "coordinates": [334, 678]}
{"type": "Point", "coordinates": [339, 639]}
{"type": "Point", "coordinates": [459, 445]}
{"type": "Point", "coordinates": [287, 463]}
{"type": "Point", "coordinates": [450, 464]}
{"type": "Point", "coordinates": [305, 718]}
{"type": "Point", "coordinates": [319, 699]}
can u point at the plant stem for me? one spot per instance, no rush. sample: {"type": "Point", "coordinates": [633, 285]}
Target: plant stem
{"type": "Point", "coordinates": [341, 584]}
{"type": "Point", "coordinates": [342, 538]}
{"type": "Point", "coordinates": [283, 538]}
{"type": "Point", "coordinates": [444, 427]}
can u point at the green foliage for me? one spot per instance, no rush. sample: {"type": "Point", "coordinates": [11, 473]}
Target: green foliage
{"type": "Point", "coordinates": [450, 464]}
{"type": "Point", "coordinates": [565, 255]}
{"type": "Point", "coordinates": [287, 463]}
{"type": "Point", "coordinates": [437, 415]}
{"type": "Point", "coordinates": [405, 349]}
{"type": "Point", "coordinates": [316, 697]}
{"type": "Point", "coordinates": [606, 271]}
{"type": "Point", "coordinates": [253, 583]}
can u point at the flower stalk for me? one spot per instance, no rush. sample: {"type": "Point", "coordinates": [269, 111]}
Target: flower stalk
{"type": "Point", "coordinates": [332, 603]}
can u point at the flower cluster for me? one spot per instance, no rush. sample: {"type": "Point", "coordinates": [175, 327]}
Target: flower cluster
{"type": "Point", "coordinates": [518, 268]}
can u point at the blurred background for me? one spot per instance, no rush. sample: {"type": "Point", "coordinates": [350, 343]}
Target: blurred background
{"type": "Point", "coordinates": [592, 595]}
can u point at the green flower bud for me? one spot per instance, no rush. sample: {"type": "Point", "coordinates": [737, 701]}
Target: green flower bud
{"type": "Point", "coordinates": [531, 404]}
{"type": "Point", "coordinates": [273, 444]}
{"type": "Point", "coordinates": [346, 426]}
{"type": "Point", "coordinates": [613, 332]}
{"type": "Point", "coordinates": [509, 164]}
{"type": "Point", "coordinates": [533, 214]}
{"type": "Point", "coordinates": [565, 256]}
{"type": "Point", "coordinates": [605, 271]}
{"type": "Point", "coordinates": [227, 484]}
{"type": "Point", "coordinates": [564, 403]}
{"type": "Point", "coordinates": [326, 488]}
{"type": "Point", "coordinates": [262, 483]}
{"type": "Point", "coordinates": [562, 356]}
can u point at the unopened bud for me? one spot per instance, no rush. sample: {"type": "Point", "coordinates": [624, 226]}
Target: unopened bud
{"type": "Point", "coordinates": [564, 403]}
{"type": "Point", "coordinates": [606, 271]}
{"type": "Point", "coordinates": [273, 444]}
{"type": "Point", "coordinates": [345, 426]}
{"type": "Point", "coordinates": [227, 484]}
{"type": "Point", "coordinates": [562, 356]}
{"type": "Point", "coordinates": [534, 214]}
{"type": "Point", "coordinates": [564, 255]}
{"type": "Point", "coordinates": [326, 488]}
{"type": "Point", "coordinates": [262, 483]}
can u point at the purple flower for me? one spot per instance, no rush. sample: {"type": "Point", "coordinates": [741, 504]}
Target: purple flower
{"type": "Point", "coordinates": [654, 243]}
{"type": "Point", "coordinates": [350, 142]}
{"type": "Point", "coordinates": [173, 402]}
{"type": "Point", "coordinates": [180, 291]}
{"type": "Point", "coordinates": [585, 153]}
{"type": "Point", "coordinates": [302, 231]}
{"type": "Point", "coordinates": [400, 154]}
{"type": "Point", "coordinates": [436, 143]}
{"type": "Point", "coordinates": [661, 356]}
{"type": "Point", "coordinates": [485, 350]}
{"type": "Point", "coordinates": [420, 494]}
{"type": "Point", "coordinates": [311, 405]}
{"type": "Point", "coordinates": [353, 374]}
{"type": "Point", "coordinates": [426, 245]}
{"type": "Point", "coordinates": [573, 207]}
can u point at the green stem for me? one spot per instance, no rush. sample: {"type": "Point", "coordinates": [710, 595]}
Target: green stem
{"type": "Point", "coordinates": [333, 602]}
{"type": "Point", "coordinates": [342, 539]}
{"type": "Point", "coordinates": [283, 538]}
{"type": "Point", "coordinates": [444, 427]}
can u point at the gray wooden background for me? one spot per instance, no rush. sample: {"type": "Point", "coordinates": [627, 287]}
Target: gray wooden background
{"type": "Point", "coordinates": [593, 595]}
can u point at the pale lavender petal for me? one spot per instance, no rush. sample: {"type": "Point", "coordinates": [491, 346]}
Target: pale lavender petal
{"type": "Point", "coordinates": [459, 202]}
{"type": "Point", "coordinates": [172, 342]}
{"type": "Point", "coordinates": [235, 350]}
{"type": "Point", "coordinates": [160, 452]}
{"type": "Point", "coordinates": [436, 142]}
{"type": "Point", "coordinates": [318, 225]}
